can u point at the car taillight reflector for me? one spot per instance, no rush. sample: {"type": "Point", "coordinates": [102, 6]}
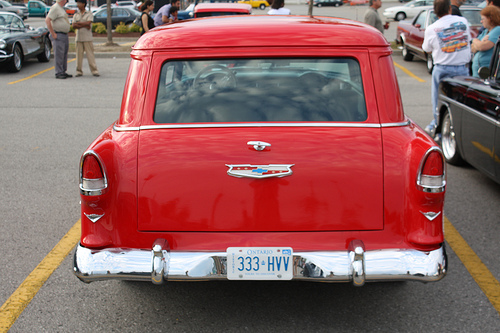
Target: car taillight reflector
{"type": "Point", "coordinates": [431, 174]}
{"type": "Point", "coordinates": [92, 176]}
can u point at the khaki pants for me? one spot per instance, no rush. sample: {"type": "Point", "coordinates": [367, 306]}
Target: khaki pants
{"type": "Point", "coordinates": [88, 48]}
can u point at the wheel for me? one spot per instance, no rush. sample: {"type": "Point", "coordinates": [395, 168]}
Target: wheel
{"type": "Point", "coordinates": [337, 4]}
{"type": "Point", "coordinates": [319, 5]}
{"type": "Point", "coordinates": [400, 16]}
{"type": "Point", "coordinates": [216, 77]}
{"type": "Point", "coordinates": [449, 142]}
{"type": "Point", "coordinates": [430, 63]}
{"type": "Point", "coordinates": [47, 49]}
{"type": "Point", "coordinates": [16, 63]}
{"type": "Point", "coordinates": [262, 6]}
{"type": "Point", "coordinates": [407, 56]}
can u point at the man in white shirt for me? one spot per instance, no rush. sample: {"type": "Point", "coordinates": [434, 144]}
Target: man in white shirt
{"type": "Point", "coordinates": [58, 24]}
{"type": "Point", "coordinates": [449, 41]}
{"type": "Point", "coordinates": [278, 8]}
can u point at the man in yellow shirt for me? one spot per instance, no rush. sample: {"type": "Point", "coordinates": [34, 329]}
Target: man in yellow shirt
{"type": "Point", "coordinates": [82, 22]}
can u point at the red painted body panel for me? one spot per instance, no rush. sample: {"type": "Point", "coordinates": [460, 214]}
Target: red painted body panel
{"type": "Point", "coordinates": [348, 182]}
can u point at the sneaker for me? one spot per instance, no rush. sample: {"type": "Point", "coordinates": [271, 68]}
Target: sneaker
{"type": "Point", "coordinates": [60, 76]}
{"type": "Point", "coordinates": [430, 130]}
{"type": "Point", "coordinates": [67, 75]}
{"type": "Point", "coordinates": [96, 74]}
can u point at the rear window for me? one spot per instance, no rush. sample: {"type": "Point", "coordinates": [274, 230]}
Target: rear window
{"type": "Point", "coordinates": [260, 90]}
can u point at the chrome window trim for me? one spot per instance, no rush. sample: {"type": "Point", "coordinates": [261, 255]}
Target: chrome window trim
{"type": "Point", "coordinates": [469, 109]}
{"type": "Point", "coordinates": [215, 125]}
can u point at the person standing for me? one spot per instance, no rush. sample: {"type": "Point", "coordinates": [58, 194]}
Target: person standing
{"type": "Point", "coordinates": [82, 22]}
{"type": "Point", "coordinates": [373, 18]}
{"type": "Point", "coordinates": [278, 8]}
{"type": "Point", "coordinates": [58, 24]}
{"type": "Point", "coordinates": [147, 22]}
{"type": "Point", "coordinates": [162, 15]}
{"type": "Point", "coordinates": [455, 7]}
{"type": "Point", "coordinates": [448, 39]}
{"type": "Point", "coordinates": [482, 46]}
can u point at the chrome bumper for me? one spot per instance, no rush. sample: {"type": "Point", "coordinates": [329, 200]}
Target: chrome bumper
{"type": "Point", "coordinates": [354, 265]}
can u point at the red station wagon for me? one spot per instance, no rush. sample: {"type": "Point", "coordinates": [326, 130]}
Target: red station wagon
{"type": "Point", "coordinates": [274, 156]}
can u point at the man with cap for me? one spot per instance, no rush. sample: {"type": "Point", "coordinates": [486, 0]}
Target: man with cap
{"type": "Point", "coordinates": [82, 22]}
{"type": "Point", "coordinates": [58, 24]}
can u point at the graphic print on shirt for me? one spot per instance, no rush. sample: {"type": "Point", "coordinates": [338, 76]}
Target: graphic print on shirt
{"type": "Point", "coordinates": [454, 38]}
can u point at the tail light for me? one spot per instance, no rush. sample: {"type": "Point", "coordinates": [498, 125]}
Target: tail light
{"type": "Point", "coordinates": [92, 175]}
{"type": "Point", "coordinates": [431, 173]}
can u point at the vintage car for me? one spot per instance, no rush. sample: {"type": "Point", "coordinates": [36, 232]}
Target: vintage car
{"type": "Point", "coordinates": [262, 4]}
{"type": "Point", "coordinates": [412, 8]}
{"type": "Point", "coordinates": [37, 8]}
{"type": "Point", "coordinates": [321, 3]}
{"type": "Point", "coordinates": [410, 33]}
{"type": "Point", "coordinates": [19, 42]}
{"type": "Point", "coordinates": [276, 156]}
{"type": "Point", "coordinates": [469, 119]}
{"type": "Point", "coordinates": [221, 9]}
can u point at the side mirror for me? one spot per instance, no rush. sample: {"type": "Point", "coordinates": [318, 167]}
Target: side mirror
{"type": "Point", "coordinates": [418, 25]}
{"type": "Point", "coordinates": [484, 72]}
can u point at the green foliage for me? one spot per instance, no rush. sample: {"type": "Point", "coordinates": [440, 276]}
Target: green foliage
{"type": "Point", "coordinates": [99, 28]}
{"type": "Point", "coordinates": [121, 28]}
{"type": "Point", "coordinates": [71, 29]}
{"type": "Point", "coordinates": [135, 28]}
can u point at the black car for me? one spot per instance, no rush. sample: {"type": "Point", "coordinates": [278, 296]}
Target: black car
{"type": "Point", "coordinates": [320, 3]}
{"type": "Point", "coordinates": [118, 15]}
{"type": "Point", "coordinates": [469, 120]}
{"type": "Point", "coordinates": [19, 42]}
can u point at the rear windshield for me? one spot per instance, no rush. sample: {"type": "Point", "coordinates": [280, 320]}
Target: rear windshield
{"type": "Point", "coordinates": [260, 90]}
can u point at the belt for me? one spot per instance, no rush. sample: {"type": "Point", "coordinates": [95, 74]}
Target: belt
{"type": "Point", "coordinates": [60, 32]}
{"type": "Point", "coordinates": [451, 65]}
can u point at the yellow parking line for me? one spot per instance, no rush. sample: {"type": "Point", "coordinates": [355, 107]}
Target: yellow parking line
{"type": "Point", "coordinates": [477, 269]}
{"type": "Point", "coordinates": [19, 300]}
{"type": "Point", "coordinates": [408, 72]}
{"type": "Point", "coordinates": [34, 75]}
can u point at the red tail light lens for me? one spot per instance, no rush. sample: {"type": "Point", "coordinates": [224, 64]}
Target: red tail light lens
{"type": "Point", "coordinates": [92, 176]}
{"type": "Point", "coordinates": [431, 174]}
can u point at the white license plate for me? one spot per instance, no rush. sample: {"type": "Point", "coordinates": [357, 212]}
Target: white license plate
{"type": "Point", "coordinates": [259, 263]}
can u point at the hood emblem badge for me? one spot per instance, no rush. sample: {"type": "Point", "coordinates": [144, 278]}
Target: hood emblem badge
{"type": "Point", "coordinates": [430, 215]}
{"type": "Point", "coordinates": [259, 171]}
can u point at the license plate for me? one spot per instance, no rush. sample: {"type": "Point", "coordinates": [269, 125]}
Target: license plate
{"type": "Point", "coordinates": [259, 263]}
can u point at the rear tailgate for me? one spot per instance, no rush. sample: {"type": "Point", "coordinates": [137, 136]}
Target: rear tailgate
{"type": "Point", "coordinates": [336, 182]}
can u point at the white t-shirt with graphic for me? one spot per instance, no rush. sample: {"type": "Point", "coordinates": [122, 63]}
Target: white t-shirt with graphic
{"type": "Point", "coordinates": [449, 40]}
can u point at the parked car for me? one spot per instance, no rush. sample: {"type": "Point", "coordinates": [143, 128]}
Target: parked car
{"type": "Point", "coordinates": [71, 8]}
{"type": "Point", "coordinates": [321, 3]}
{"type": "Point", "coordinates": [221, 9]}
{"type": "Point", "coordinates": [412, 8]}
{"type": "Point", "coordinates": [19, 42]}
{"type": "Point", "coordinates": [271, 156]}
{"type": "Point", "coordinates": [189, 11]}
{"type": "Point", "coordinates": [127, 4]}
{"type": "Point", "coordinates": [469, 119]}
{"type": "Point", "coordinates": [410, 33]}
{"type": "Point", "coordinates": [37, 8]}
{"type": "Point", "coordinates": [118, 15]}
{"type": "Point", "coordinates": [21, 11]}
{"type": "Point", "coordinates": [262, 4]}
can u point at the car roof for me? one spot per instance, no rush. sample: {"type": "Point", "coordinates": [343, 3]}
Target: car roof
{"type": "Point", "coordinates": [230, 31]}
{"type": "Point", "coordinates": [222, 7]}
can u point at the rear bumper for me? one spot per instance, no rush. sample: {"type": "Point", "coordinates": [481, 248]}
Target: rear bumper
{"type": "Point", "coordinates": [354, 265]}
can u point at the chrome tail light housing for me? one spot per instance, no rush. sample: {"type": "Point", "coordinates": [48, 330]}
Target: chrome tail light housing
{"type": "Point", "coordinates": [431, 176]}
{"type": "Point", "coordinates": [93, 180]}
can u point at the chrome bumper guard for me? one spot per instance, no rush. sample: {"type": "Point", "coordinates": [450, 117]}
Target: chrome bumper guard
{"type": "Point", "coordinates": [354, 265]}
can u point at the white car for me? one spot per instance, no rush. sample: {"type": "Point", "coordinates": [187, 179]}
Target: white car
{"type": "Point", "coordinates": [127, 4]}
{"type": "Point", "coordinates": [411, 9]}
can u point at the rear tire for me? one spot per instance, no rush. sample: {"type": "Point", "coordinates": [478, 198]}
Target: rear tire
{"type": "Point", "coordinates": [407, 56]}
{"type": "Point", "coordinates": [262, 6]}
{"type": "Point", "coordinates": [16, 63]}
{"type": "Point", "coordinates": [47, 50]}
{"type": "Point", "coordinates": [449, 144]}
{"type": "Point", "coordinates": [400, 16]}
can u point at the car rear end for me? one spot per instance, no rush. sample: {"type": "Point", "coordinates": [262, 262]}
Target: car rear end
{"type": "Point", "coordinates": [262, 158]}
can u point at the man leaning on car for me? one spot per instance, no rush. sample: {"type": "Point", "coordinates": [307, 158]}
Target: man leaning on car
{"type": "Point", "coordinates": [449, 41]}
{"type": "Point", "coordinates": [58, 24]}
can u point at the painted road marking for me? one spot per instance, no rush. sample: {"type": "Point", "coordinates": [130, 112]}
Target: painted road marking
{"type": "Point", "coordinates": [34, 75]}
{"type": "Point", "coordinates": [408, 72]}
{"type": "Point", "coordinates": [19, 300]}
{"type": "Point", "coordinates": [477, 269]}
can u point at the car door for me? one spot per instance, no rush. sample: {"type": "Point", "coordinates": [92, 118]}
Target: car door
{"type": "Point", "coordinates": [479, 124]}
{"type": "Point", "coordinates": [415, 38]}
{"type": "Point", "coordinates": [34, 9]}
{"type": "Point", "coordinates": [29, 39]}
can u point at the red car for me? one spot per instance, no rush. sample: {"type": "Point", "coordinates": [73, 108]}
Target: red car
{"type": "Point", "coordinates": [274, 156]}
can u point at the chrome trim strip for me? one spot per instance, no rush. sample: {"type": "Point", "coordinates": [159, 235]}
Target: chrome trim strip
{"type": "Point", "coordinates": [469, 109]}
{"type": "Point", "coordinates": [326, 266]}
{"type": "Point", "coordinates": [217, 125]}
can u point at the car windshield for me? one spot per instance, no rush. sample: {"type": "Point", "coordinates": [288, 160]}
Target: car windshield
{"type": "Point", "coordinates": [10, 22]}
{"type": "Point", "coordinates": [5, 3]}
{"type": "Point", "coordinates": [260, 90]}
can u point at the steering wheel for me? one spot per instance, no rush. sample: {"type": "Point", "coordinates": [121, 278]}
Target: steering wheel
{"type": "Point", "coordinates": [216, 76]}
